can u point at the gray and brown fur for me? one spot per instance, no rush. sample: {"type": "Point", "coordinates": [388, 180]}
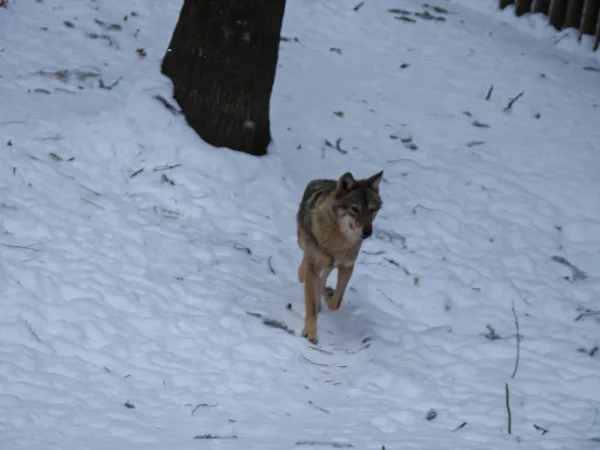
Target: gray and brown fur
{"type": "Point", "coordinates": [333, 220]}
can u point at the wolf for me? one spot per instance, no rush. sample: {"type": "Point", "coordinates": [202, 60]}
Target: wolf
{"type": "Point", "coordinates": [333, 220]}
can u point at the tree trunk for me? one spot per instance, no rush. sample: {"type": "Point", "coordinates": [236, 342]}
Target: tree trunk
{"type": "Point", "coordinates": [574, 10]}
{"type": "Point", "coordinates": [597, 43]}
{"type": "Point", "coordinates": [222, 60]}
{"type": "Point", "coordinates": [523, 6]}
{"type": "Point", "coordinates": [541, 6]}
{"type": "Point", "coordinates": [505, 3]}
{"type": "Point", "coordinates": [558, 12]}
{"type": "Point", "coordinates": [590, 17]}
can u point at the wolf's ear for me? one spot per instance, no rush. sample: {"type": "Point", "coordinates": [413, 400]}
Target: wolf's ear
{"type": "Point", "coordinates": [346, 182]}
{"type": "Point", "coordinates": [375, 180]}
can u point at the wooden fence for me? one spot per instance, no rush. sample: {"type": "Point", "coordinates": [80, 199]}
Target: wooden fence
{"type": "Point", "coordinates": [582, 15]}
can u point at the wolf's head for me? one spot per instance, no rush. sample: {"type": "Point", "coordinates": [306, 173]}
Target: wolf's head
{"type": "Point", "coordinates": [356, 204]}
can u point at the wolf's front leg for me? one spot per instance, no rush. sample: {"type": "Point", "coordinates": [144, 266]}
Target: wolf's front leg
{"type": "Point", "coordinates": [311, 283]}
{"type": "Point", "coordinates": [334, 300]}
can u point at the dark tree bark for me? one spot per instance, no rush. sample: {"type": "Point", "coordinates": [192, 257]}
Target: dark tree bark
{"type": "Point", "coordinates": [541, 6]}
{"type": "Point", "coordinates": [222, 60]}
{"type": "Point", "coordinates": [574, 10]}
{"type": "Point", "coordinates": [558, 11]}
{"type": "Point", "coordinates": [505, 3]}
{"type": "Point", "coordinates": [590, 17]}
{"type": "Point", "coordinates": [523, 6]}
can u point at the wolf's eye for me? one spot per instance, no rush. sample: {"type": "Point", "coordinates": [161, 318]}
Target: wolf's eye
{"type": "Point", "coordinates": [354, 210]}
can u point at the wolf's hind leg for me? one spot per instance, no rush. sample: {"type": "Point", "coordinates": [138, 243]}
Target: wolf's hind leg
{"type": "Point", "coordinates": [344, 274]}
{"type": "Point", "coordinates": [322, 289]}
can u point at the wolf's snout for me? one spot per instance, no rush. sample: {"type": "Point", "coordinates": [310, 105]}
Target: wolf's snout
{"type": "Point", "coordinates": [366, 232]}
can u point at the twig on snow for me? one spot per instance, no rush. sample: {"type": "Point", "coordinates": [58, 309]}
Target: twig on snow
{"type": "Point", "coordinates": [165, 179]}
{"type": "Point", "coordinates": [272, 323]}
{"type": "Point", "coordinates": [324, 444]}
{"type": "Point", "coordinates": [520, 294]}
{"type": "Point", "coordinates": [518, 340]}
{"type": "Point", "coordinates": [165, 167]}
{"type": "Point", "coordinates": [21, 246]}
{"type": "Point", "coordinates": [167, 104]}
{"type": "Point", "coordinates": [202, 404]}
{"type": "Point", "coordinates": [271, 266]}
{"type": "Point", "coordinates": [357, 7]}
{"type": "Point", "coordinates": [462, 425]}
{"type": "Point", "coordinates": [108, 87]}
{"type": "Point", "coordinates": [336, 146]}
{"type": "Point", "coordinates": [242, 247]}
{"type": "Point", "coordinates": [580, 316]}
{"type": "Point", "coordinates": [169, 214]}
{"type": "Point", "coordinates": [92, 203]}
{"type": "Point", "coordinates": [136, 173]}
{"type": "Point", "coordinates": [489, 94]}
{"type": "Point", "coordinates": [385, 295]}
{"type": "Point", "coordinates": [320, 350]}
{"type": "Point", "coordinates": [578, 274]}
{"type": "Point", "coordinates": [319, 407]}
{"type": "Point", "coordinates": [33, 332]}
{"type": "Point", "coordinates": [214, 436]}
{"type": "Point", "coordinates": [543, 430]}
{"type": "Point", "coordinates": [304, 359]}
{"type": "Point", "coordinates": [513, 100]}
{"type": "Point", "coordinates": [508, 410]}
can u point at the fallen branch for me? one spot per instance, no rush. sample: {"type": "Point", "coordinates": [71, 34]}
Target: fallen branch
{"type": "Point", "coordinates": [508, 410]}
{"type": "Point", "coordinates": [518, 341]}
{"type": "Point", "coordinates": [543, 430]}
{"type": "Point", "coordinates": [489, 94]}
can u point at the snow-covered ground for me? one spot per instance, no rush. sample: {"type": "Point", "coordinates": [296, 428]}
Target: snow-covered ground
{"type": "Point", "coordinates": [125, 293]}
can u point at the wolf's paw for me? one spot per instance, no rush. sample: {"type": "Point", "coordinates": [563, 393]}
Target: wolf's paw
{"type": "Point", "coordinates": [329, 299]}
{"type": "Point", "coordinates": [310, 333]}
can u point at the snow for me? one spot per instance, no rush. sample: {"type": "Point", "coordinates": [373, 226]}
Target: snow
{"type": "Point", "coordinates": [118, 287]}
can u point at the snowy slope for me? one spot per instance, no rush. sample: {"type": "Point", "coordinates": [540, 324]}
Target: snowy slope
{"type": "Point", "coordinates": [124, 298]}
